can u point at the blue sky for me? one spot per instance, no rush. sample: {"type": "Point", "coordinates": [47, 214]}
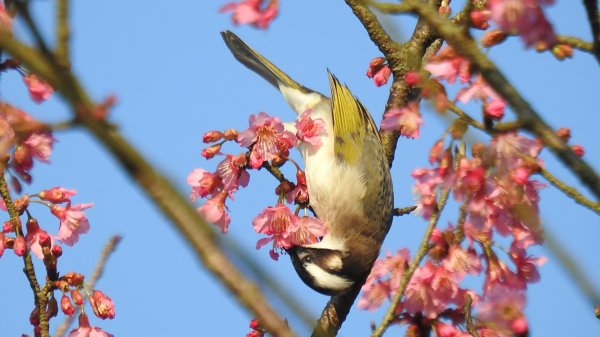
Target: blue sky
{"type": "Point", "coordinates": [175, 79]}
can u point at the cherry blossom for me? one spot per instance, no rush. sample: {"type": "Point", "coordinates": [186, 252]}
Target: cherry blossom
{"type": "Point", "coordinates": [310, 130]}
{"type": "Point", "coordinates": [252, 12]}
{"type": "Point", "coordinates": [406, 120]}
{"type": "Point", "coordinates": [102, 305]}
{"type": "Point", "coordinates": [39, 90]}
{"type": "Point", "coordinates": [267, 137]}
{"type": "Point", "coordinates": [73, 222]}
{"type": "Point", "coordinates": [280, 224]}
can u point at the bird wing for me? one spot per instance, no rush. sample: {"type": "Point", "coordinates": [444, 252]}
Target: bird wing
{"type": "Point", "coordinates": [352, 123]}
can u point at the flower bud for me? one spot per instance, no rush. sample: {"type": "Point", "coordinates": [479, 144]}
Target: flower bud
{"type": "Point", "coordinates": [74, 279]}
{"type": "Point", "coordinates": [19, 246]}
{"type": "Point", "coordinates": [578, 149]}
{"type": "Point", "coordinates": [56, 251]}
{"type": "Point", "coordinates": [284, 187]}
{"type": "Point", "coordinates": [212, 136]}
{"type": "Point", "coordinates": [564, 133]}
{"type": "Point", "coordinates": [16, 185]}
{"type": "Point", "coordinates": [7, 227]}
{"type": "Point", "coordinates": [102, 305]}
{"type": "Point", "coordinates": [413, 78]}
{"type": "Point", "coordinates": [66, 306]}
{"type": "Point", "coordinates": [34, 317]}
{"type": "Point", "coordinates": [44, 240]}
{"type": "Point", "coordinates": [562, 51]}
{"type": "Point", "coordinates": [77, 297]}
{"type": "Point", "coordinates": [436, 151]}
{"type": "Point", "coordinates": [57, 195]}
{"type": "Point", "coordinates": [479, 19]}
{"type": "Point", "coordinates": [254, 324]}
{"type": "Point", "coordinates": [230, 134]}
{"type": "Point", "coordinates": [211, 151]}
{"type": "Point", "coordinates": [493, 37]}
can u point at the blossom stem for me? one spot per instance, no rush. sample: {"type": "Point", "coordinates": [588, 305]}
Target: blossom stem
{"type": "Point", "coordinates": [468, 319]}
{"type": "Point", "coordinates": [576, 43]}
{"type": "Point", "coordinates": [414, 264]}
{"type": "Point", "coordinates": [39, 296]}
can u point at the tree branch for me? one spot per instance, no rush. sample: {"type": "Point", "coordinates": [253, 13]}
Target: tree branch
{"type": "Point", "coordinates": [591, 7]}
{"type": "Point", "coordinates": [531, 120]}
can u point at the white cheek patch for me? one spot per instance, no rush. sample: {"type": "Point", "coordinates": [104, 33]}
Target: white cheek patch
{"type": "Point", "coordinates": [333, 262]}
{"type": "Point", "coordinates": [326, 280]}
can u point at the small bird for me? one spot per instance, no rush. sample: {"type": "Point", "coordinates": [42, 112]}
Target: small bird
{"type": "Point", "coordinates": [348, 179]}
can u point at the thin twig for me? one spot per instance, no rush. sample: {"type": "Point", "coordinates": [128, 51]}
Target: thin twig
{"type": "Point", "coordinates": [404, 210]}
{"type": "Point", "coordinates": [570, 191]}
{"type": "Point", "coordinates": [468, 319]}
{"type": "Point", "coordinates": [108, 249]}
{"type": "Point", "coordinates": [414, 264]}
{"type": "Point", "coordinates": [576, 43]}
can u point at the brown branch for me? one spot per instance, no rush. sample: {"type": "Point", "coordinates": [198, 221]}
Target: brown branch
{"type": "Point", "coordinates": [63, 32]}
{"type": "Point", "coordinates": [39, 295]}
{"type": "Point", "coordinates": [591, 7]}
{"type": "Point", "coordinates": [108, 249]}
{"type": "Point", "coordinates": [414, 264]}
{"type": "Point", "coordinates": [164, 194]}
{"type": "Point", "coordinates": [531, 120]}
{"type": "Point", "coordinates": [570, 191]}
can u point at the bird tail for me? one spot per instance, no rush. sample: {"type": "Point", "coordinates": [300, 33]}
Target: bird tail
{"type": "Point", "coordinates": [257, 63]}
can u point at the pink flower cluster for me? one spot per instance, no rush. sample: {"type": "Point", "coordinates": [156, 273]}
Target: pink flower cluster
{"type": "Point", "coordinates": [72, 223]}
{"type": "Point", "coordinates": [379, 71]}
{"type": "Point", "coordinates": [268, 141]}
{"type": "Point", "coordinates": [449, 66]}
{"type": "Point", "coordinates": [525, 18]}
{"type": "Point", "coordinates": [252, 12]}
{"type": "Point", "coordinates": [499, 198]}
{"type": "Point", "coordinates": [27, 138]}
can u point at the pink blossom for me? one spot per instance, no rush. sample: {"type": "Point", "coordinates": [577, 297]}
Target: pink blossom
{"type": "Point", "coordinates": [502, 308]}
{"type": "Point", "coordinates": [310, 130]}
{"type": "Point", "coordinates": [252, 12]}
{"type": "Point", "coordinates": [477, 90]}
{"type": "Point", "coordinates": [447, 65]}
{"type": "Point", "coordinates": [526, 265]}
{"type": "Point", "coordinates": [506, 150]}
{"type": "Point", "coordinates": [470, 179]}
{"type": "Point", "coordinates": [309, 231]}
{"type": "Point", "coordinates": [57, 195]}
{"type": "Point", "coordinates": [425, 190]}
{"type": "Point", "coordinates": [384, 279]}
{"type": "Point", "coordinates": [84, 329]}
{"type": "Point", "coordinates": [280, 224]}
{"type": "Point", "coordinates": [203, 183]}
{"type": "Point", "coordinates": [103, 306]}
{"type": "Point", "coordinates": [73, 222]}
{"type": "Point", "coordinates": [267, 137]}
{"type": "Point", "coordinates": [447, 330]}
{"type": "Point", "coordinates": [462, 261]}
{"type": "Point", "coordinates": [39, 90]}
{"type": "Point", "coordinates": [232, 174]}
{"type": "Point", "coordinates": [40, 146]}
{"type": "Point", "coordinates": [407, 120]}
{"type": "Point", "coordinates": [215, 211]}
{"type": "Point", "coordinates": [526, 18]}
{"type": "Point", "coordinates": [35, 237]}
{"type": "Point", "coordinates": [431, 290]}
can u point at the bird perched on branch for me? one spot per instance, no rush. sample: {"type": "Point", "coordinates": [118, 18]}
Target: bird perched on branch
{"type": "Point", "coordinates": [348, 179]}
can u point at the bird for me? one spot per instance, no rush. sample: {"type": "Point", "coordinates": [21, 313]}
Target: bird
{"type": "Point", "coordinates": [348, 179]}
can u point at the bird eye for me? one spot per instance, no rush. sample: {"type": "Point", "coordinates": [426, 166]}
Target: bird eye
{"type": "Point", "coordinates": [307, 259]}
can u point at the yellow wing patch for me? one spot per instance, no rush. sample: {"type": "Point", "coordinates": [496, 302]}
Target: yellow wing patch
{"type": "Point", "coordinates": [352, 123]}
